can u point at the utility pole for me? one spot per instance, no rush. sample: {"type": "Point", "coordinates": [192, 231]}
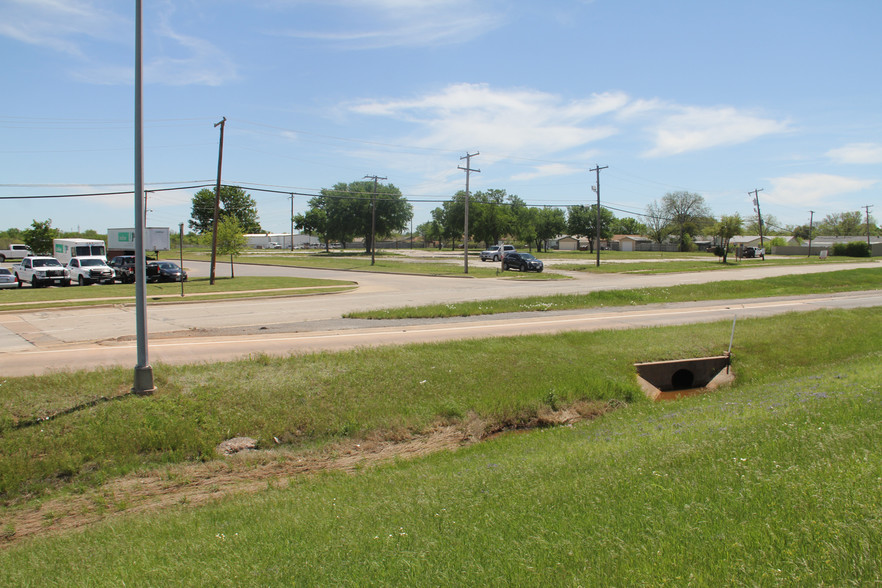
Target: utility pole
{"type": "Point", "coordinates": [374, 216]}
{"type": "Point", "coordinates": [867, 209]}
{"type": "Point", "coordinates": [811, 229]}
{"type": "Point", "coordinates": [143, 381]}
{"type": "Point", "coordinates": [292, 222]}
{"type": "Point", "coordinates": [465, 242]}
{"type": "Point", "coordinates": [220, 159]}
{"type": "Point", "coordinates": [596, 187]}
{"type": "Point", "coordinates": [758, 213]}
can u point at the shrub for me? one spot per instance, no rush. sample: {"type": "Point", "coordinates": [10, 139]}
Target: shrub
{"type": "Point", "coordinates": [852, 249]}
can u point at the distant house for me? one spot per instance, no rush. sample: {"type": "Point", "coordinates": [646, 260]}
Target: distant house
{"type": "Point", "coordinates": [629, 242]}
{"type": "Point", "coordinates": [568, 243]}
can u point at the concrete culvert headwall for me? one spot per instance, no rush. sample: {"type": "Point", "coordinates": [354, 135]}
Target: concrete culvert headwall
{"type": "Point", "coordinates": [683, 377]}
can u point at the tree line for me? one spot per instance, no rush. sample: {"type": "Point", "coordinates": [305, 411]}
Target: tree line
{"type": "Point", "coordinates": [363, 209]}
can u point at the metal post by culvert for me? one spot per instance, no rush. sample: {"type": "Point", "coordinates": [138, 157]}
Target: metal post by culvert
{"type": "Point", "coordinates": [143, 383]}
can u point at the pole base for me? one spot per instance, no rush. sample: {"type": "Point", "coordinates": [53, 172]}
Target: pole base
{"type": "Point", "coordinates": [143, 381]}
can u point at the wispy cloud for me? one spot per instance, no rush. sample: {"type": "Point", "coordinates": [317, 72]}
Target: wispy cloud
{"type": "Point", "coordinates": [60, 25]}
{"type": "Point", "coordinates": [95, 37]}
{"type": "Point", "coordinates": [375, 24]}
{"type": "Point", "coordinates": [867, 153]}
{"type": "Point", "coordinates": [814, 189]}
{"type": "Point", "coordinates": [693, 128]}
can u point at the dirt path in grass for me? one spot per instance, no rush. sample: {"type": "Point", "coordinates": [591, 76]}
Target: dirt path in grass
{"type": "Point", "coordinates": [194, 484]}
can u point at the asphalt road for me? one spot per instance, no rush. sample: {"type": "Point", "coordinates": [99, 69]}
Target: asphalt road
{"type": "Point", "coordinates": [42, 341]}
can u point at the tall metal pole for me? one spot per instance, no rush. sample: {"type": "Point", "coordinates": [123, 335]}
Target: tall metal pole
{"type": "Point", "coordinates": [597, 169]}
{"type": "Point", "coordinates": [143, 372]}
{"type": "Point", "coordinates": [867, 208]}
{"type": "Point", "coordinates": [465, 241]}
{"type": "Point", "coordinates": [220, 159]}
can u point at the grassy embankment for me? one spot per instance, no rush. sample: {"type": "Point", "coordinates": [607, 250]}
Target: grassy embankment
{"type": "Point", "coordinates": [820, 283]}
{"type": "Point", "coordinates": [774, 480]}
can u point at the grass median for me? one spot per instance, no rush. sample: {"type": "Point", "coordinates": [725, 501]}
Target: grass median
{"type": "Point", "coordinates": [194, 289]}
{"type": "Point", "coordinates": [819, 283]}
{"type": "Point", "coordinates": [771, 481]}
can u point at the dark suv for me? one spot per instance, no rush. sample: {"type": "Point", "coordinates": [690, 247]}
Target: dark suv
{"type": "Point", "coordinates": [522, 262]}
{"type": "Point", "coordinates": [124, 266]}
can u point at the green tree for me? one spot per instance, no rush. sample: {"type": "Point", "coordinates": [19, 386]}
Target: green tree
{"type": "Point", "coordinates": [490, 220]}
{"type": "Point", "coordinates": [658, 226]}
{"type": "Point", "coordinates": [728, 227]}
{"type": "Point", "coordinates": [431, 231]}
{"type": "Point", "coordinates": [230, 239]}
{"type": "Point", "coordinates": [234, 201]}
{"type": "Point", "coordinates": [349, 211]}
{"type": "Point", "coordinates": [522, 220]}
{"type": "Point", "coordinates": [771, 226]}
{"type": "Point", "coordinates": [844, 224]}
{"type": "Point", "coordinates": [582, 222]}
{"type": "Point", "coordinates": [629, 226]}
{"type": "Point", "coordinates": [39, 237]}
{"type": "Point", "coordinates": [687, 212]}
{"type": "Point", "coordinates": [549, 222]}
{"type": "Point", "coordinates": [314, 222]}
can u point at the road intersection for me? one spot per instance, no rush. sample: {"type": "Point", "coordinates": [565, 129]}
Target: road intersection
{"type": "Point", "coordinates": [37, 342]}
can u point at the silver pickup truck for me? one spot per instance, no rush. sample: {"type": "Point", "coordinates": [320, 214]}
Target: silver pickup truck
{"type": "Point", "coordinates": [15, 251]}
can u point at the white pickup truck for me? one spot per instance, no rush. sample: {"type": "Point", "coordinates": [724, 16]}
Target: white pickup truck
{"type": "Point", "coordinates": [15, 251]}
{"type": "Point", "coordinates": [41, 271]}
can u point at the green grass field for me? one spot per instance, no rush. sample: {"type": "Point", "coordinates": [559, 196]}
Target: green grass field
{"type": "Point", "coordinates": [772, 481]}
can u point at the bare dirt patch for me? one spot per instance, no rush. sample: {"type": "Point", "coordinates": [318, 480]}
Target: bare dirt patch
{"type": "Point", "coordinates": [247, 471]}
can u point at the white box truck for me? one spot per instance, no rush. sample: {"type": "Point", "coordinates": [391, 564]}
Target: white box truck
{"type": "Point", "coordinates": [64, 249]}
{"type": "Point", "coordinates": [122, 241]}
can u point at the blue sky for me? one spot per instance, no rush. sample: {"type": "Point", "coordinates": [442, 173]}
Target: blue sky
{"type": "Point", "coordinates": [718, 98]}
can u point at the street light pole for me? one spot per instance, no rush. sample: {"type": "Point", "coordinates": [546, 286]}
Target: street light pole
{"type": "Point", "coordinates": [143, 371]}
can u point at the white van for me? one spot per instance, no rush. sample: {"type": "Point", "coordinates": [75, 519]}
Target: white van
{"type": "Point", "coordinates": [64, 249]}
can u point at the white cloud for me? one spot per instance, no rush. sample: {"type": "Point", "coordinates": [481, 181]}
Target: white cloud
{"type": "Point", "coordinates": [814, 189]}
{"type": "Point", "coordinates": [548, 170]}
{"type": "Point", "coordinates": [517, 122]}
{"type": "Point", "coordinates": [695, 128]}
{"type": "Point", "coordinates": [375, 24]}
{"type": "Point", "coordinates": [870, 153]}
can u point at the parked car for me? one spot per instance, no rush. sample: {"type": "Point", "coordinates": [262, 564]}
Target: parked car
{"type": "Point", "coordinates": [522, 262]}
{"type": "Point", "coordinates": [165, 271]}
{"type": "Point", "coordinates": [124, 268]}
{"type": "Point", "coordinates": [496, 252]}
{"type": "Point", "coordinates": [754, 252]}
{"type": "Point", "coordinates": [41, 271]}
{"type": "Point", "coordinates": [90, 270]}
{"type": "Point", "coordinates": [7, 279]}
